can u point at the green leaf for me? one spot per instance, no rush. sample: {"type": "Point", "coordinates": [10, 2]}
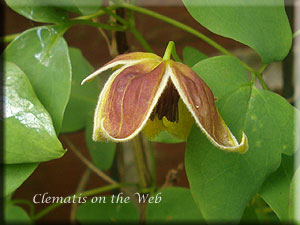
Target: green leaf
{"type": "Point", "coordinates": [43, 55]}
{"type": "Point", "coordinates": [231, 78]}
{"type": "Point", "coordinates": [191, 56]}
{"type": "Point", "coordinates": [88, 6]}
{"type": "Point", "coordinates": [15, 214]}
{"type": "Point", "coordinates": [166, 137]}
{"type": "Point", "coordinates": [83, 98]}
{"type": "Point", "coordinates": [222, 183]}
{"type": "Point", "coordinates": [276, 189]}
{"type": "Point", "coordinates": [15, 175]}
{"type": "Point", "coordinates": [294, 206]}
{"type": "Point", "coordinates": [29, 134]}
{"type": "Point", "coordinates": [107, 212]}
{"type": "Point", "coordinates": [39, 10]}
{"type": "Point", "coordinates": [102, 153]}
{"type": "Point", "coordinates": [261, 24]}
{"type": "Point", "coordinates": [177, 205]}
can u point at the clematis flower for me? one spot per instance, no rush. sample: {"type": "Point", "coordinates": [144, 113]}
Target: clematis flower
{"type": "Point", "coordinates": [150, 93]}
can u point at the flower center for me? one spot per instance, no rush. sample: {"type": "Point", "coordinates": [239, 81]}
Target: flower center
{"type": "Point", "coordinates": [167, 104]}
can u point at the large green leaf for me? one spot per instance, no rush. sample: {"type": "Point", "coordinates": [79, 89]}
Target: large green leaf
{"type": "Point", "coordinates": [39, 10]}
{"type": "Point", "coordinates": [260, 24]}
{"type": "Point", "coordinates": [222, 183]}
{"type": "Point", "coordinates": [44, 57]}
{"type": "Point", "coordinates": [177, 205]}
{"type": "Point", "coordinates": [276, 189]}
{"type": "Point", "coordinates": [191, 56]}
{"type": "Point", "coordinates": [29, 132]}
{"type": "Point", "coordinates": [294, 207]}
{"type": "Point", "coordinates": [88, 6]}
{"type": "Point", "coordinates": [83, 98]}
{"type": "Point", "coordinates": [53, 11]}
{"type": "Point", "coordinates": [15, 214]}
{"type": "Point", "coordinates": [107, 212]}
{"type": "Point", "coordinates": [15, 175]}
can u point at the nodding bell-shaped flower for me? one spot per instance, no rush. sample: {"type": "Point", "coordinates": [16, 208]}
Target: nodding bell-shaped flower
{"type": "Point", "coordinates": [150, 93]}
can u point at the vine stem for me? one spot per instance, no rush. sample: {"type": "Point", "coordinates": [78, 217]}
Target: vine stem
{"type": "Point", "coordinates": [153, 167]}
{"type": "Point", "coordinates": [84, 20]}
{"type": "Point", "coordinates": [296, 33]}
{"type": "Point", "coordinates": [183, 27]}
{"type": "Point", "coordinates": [101, 12]}
{"type": "Point", "coordinates": [140, 39]}
{"type": "Point", "coordinates": [258, 74]}
{"type": "Point", "coordinates": [106, 39]}
{"type": "Point", "coordinates": [9, 38]}
{"type": "Point", "coordinates": [88, 163]}
{"type": "Point", "coordinates": [84, 194]}
{"type": "Point", "coordinates": [253, 76]}
{"type": "Point", "coordinates": [141, 162]}
{"type": "Point", "coordinates": [261, 80]}
{"type": "Point", "coordinates": [93, 24]}
{"type": "Point", "coordinates": [262, 68]}
{"type": "Point", "coordinates": [81, 186]}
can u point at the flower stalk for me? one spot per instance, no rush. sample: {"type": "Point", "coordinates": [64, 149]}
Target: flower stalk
{"type": "Point", "coordinates": [168, 51]}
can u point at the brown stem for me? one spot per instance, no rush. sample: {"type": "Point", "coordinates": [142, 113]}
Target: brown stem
{"type": "Point", "coordinates": [121, 38]}
{"type": "Point", "coordinates": [118, 46]}
{"type": "Point", "coordinates": [137, 145]}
